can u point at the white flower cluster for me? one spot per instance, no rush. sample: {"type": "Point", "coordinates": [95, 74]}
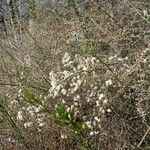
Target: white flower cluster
{"type": "Point", "coordinates": [31, 115]}
{"type": "Point", "coordinates": [108, 82]}
{"type": "Point", "coordinates": [13, 104]}
{"type": "Point", "coordinates": [76, 71]}
{"type": "Point", "coordinates": [66, 60]}
{"type": "Point", "coordinates": [79, 86]}
{"type": "Point", "coordinates": [20, 115]}
{"type": "Point", "coordinates": [63, 136]}
{"type": "Point", "coordinates": [121, 64]}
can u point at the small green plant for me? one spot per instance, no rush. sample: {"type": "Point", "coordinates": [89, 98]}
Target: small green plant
{"type": "Point", "coordinates": [61, 117]}
{"type": "Point", "coordinates": [67, 118]}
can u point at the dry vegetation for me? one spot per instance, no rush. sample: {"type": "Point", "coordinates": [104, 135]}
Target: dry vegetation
{"type": "Point", "coordinates": [77, 78]}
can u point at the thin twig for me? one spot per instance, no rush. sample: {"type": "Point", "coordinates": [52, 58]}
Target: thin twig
{"type": "Point", "coordinates": [143, 138]}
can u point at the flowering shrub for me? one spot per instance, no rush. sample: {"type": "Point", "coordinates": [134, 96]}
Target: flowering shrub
{"type": "Point", "coordinates": [80, 97]}
{"type": "Point", "coordinates": [83, 85]}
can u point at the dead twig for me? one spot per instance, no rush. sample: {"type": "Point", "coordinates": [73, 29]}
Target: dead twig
{"type": "Point", "coordinates": [143, 138]}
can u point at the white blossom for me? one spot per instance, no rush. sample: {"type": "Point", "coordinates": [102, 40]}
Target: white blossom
{"type": "Point", "coordinates": [101, 96]}
{"type": "Point", "coordinates": [63, 136]}
{"type": "Point", "coordinates": [96, 132]}
{"type": "Point", "coordinates": [105, 101]}
{"type": "Point", "coordinates": [41, 124]}
{"type": "Point", "coordinates": [97, 103]}
{"type": "Point", "coordinates": [108, 82]}
{"type": "Point", "coordinates": [88, 123]}
{"type": "Point", "coordinates": [66, 58]}
{"type": "Point", "coordinates": [64, 91]}
{"type": "Point", "coordinates": [20, 115]}
{"type": "Point", "coordinates": [145, 12]}
{"type": "Point", "coordinates": [97, 119]}
{"type": "Point", "coordinates": [28, 124]}
{"type": "Point", "coordinates": [38, 109]}
{"type": "Point", "coordinates": [91, 133]}
{"type": "Point", "coordinates": [109, 110]}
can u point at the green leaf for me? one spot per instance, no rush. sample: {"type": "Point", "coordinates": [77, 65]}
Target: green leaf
{"type": "Point", "coordinates": [78, 128]}
{"type": "Point", "coordinates": [60, 110]}
{"type": "Point", "coordinates": [61, 122]}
